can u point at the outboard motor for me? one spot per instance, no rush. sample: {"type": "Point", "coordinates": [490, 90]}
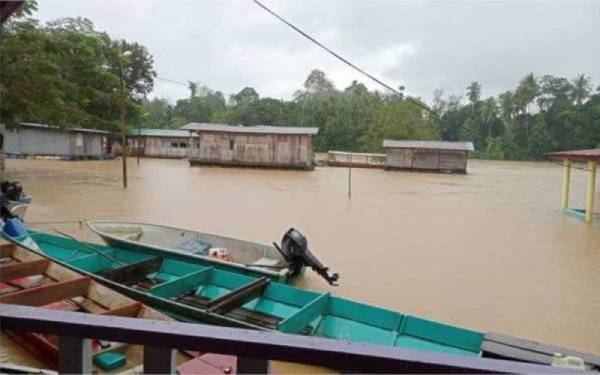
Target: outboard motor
{"type": "Point", "coordinates": [5, 212]}
{"type": "Point", "coordinates": [294, 249]}
{"type": "Point", "coordinates": [12, 190]}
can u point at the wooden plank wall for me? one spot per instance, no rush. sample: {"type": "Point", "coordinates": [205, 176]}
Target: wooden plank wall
{"type": "Point", "coordinates": [453, 160]}
{"type": "Point", "coordinates": [161, 147]}
{"type": "Point", "coordinates": [427, 159]}
{"type": "Point", "coordinates": [262, 150]}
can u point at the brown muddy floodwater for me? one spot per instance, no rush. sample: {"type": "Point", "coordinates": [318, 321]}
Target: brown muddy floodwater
{"type": "Point", "coordinates": [489, 250]}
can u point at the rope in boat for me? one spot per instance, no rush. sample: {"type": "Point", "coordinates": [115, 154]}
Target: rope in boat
{"type": "Point", "coordinates": [80, 222]}
{"type": "Point", "coordinates": [90, 247]}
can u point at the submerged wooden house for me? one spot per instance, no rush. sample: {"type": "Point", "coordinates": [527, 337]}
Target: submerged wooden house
{"type": "Point", "coordinates": [47, 140]}
{"type": "Point", "coordinates": [427, 155]}
{"type": "Point", "coordinates": [159, 143]}
{"type": "Point", "coordinates": [251, 146]}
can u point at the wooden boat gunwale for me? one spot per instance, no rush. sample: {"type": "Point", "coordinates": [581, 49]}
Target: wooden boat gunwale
{"type": "Point", "coordinates": [282, 274]}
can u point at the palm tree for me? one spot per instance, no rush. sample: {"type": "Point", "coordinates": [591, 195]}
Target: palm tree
{"type": "Point", "coordinates": [474, 92]}
{"type": "Point", "coordinates": [526, 93]}
{"type": "Point", "coordinates": [582, 86]}
{"type": "Point", "coordinates": [489, 113]}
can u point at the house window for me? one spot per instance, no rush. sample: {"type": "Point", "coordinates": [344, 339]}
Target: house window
{"type": "Point", "coordinates": [175, 144]}
{"type": "Point", "coordinates": [231, 144]}
{"type": "Point", "coordinates": [183, 145]}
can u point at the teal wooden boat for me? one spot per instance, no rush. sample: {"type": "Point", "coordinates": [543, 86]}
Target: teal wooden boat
{"type": "Point", "coordinates": [191, 289]}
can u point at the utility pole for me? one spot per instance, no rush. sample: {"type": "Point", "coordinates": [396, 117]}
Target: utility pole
{"type": "Point", "coordinates": [139, 138]}
{"type": "Point", "coordinates": [122, 108]}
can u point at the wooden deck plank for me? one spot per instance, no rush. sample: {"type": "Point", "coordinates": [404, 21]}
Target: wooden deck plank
{"type": "Point", "coordinates": [18, 270]}
{"type": "Point", "coordinates": [44, 295]}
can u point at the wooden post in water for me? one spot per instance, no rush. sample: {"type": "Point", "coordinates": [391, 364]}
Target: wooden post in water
{"type": "Point", "coordinates": [566, 183]}
{"type": "Point", "coordinates": [349, 175]}
{"type": "Point", "coordinates": [591, 189]}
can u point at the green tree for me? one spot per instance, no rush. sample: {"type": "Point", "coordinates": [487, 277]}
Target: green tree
{"type": "Point", "coordinates": [582, 87]}
{"type": "Point", "coordinates": [71, 75]}
{"type": "Point", "coordinates": [474, 92]}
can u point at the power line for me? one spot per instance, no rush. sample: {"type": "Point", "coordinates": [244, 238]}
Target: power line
{"type": "Point", "coordinates": [172, 81]}
{"type": "Point", "coordinates": [346, 61]}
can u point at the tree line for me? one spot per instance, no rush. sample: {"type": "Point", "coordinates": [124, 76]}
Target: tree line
{"type": "Point", "coordinates": [541, 115]}
{"type": "Point", "coordinates": [66, 73]}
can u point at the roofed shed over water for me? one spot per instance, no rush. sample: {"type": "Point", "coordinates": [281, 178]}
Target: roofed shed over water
{"type": "Point", "coordinates": [159, 143]}
{"type": "Point", "coordinates": [252, 146]}
{"type": "Point", "coordinates": [41, 139]}
{"type": "Point", "coordinates": [427, 155]}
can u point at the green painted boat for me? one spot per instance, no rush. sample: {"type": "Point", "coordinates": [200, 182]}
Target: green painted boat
{"type": "Point", "coordinates": [191, 289]}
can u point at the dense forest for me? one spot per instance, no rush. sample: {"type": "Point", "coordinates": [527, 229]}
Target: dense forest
{"type": "Point", "coordinates": [68, 74]}
{"type": "Point", "coordinates": [542, 114]}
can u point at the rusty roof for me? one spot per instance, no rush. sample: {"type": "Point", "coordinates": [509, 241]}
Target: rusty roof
{"type": "Point", "coordinates": [72, 129]}
{"type": "Point", "coordinates": [252, 129]}
{"type": "Point", "coordinates": [436, 145]}
{"type": "Point", "coordinates": [169, 133]}
{"type": "Point", "coordinates": [590, 154]}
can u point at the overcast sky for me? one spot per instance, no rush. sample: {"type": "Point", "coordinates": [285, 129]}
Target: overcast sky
{"type": "Point", "coordinates": [424, 46]}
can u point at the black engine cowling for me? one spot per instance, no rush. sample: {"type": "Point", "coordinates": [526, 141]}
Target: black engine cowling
{"type": "Point", "coordinates": [294, 249]}
{"type": "Point", "coordinates": [12, 190]}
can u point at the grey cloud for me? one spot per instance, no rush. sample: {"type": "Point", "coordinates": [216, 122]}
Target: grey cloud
{"type": "Point", "coordinates": [423, 45]}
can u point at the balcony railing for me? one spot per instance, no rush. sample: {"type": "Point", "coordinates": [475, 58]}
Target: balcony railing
{"type": "Point", "coordinates": [253, 348]}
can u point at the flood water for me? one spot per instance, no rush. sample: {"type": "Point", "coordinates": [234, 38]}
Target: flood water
{"type": "Point", "coordinates": [489, 250]}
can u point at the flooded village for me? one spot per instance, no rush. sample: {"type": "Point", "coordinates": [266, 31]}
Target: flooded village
{"type": "Point", "coordinates": [354, 230]}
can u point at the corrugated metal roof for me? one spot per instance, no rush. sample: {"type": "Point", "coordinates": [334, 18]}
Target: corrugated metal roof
{"type": "Point", "coordinates": [160, 132]}
{"type": "Point", "coordinates": [437, 145]}
{"type": "Point", "coordinates": [591, 154]}
{"type": "Point", "coordinates": [44, 126]}
{"type": "Point", "coordinates": [255, 129]}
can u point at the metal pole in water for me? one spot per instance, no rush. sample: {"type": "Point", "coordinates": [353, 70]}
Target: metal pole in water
{"type": "Point", "coordinates": [589, 207]}
{"type": "Point", "coordinates": [139, 138]}
{"type": "Point", "coordinates": [566, 183]}
{"type": "Point", "coordinates": [349, 176]}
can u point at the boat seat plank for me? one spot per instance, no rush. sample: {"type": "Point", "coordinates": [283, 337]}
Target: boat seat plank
{"type": "Point", "coordinates": [18, 270]}
{"type": "Point", "coordinates": [182, 284]}
{"type": "Point", "coordinates": [129, 310]}
{"type": "Point", "coordinates": [497, 345]}
{"type": "Point", "coordinates": [238, 297]}
{"type": "Point", "coordinates": [305, 315]}
{"type": "Point", "coordinates": [134, 271]}
{"type": "Point", "coordinates": [7, 250]}
{"type": "Point", "coordinates": [142, 283]}
{"type": "Point", "coordinates": [193, 300]}
{"type": "Point", "coordinates": [46, 294]}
